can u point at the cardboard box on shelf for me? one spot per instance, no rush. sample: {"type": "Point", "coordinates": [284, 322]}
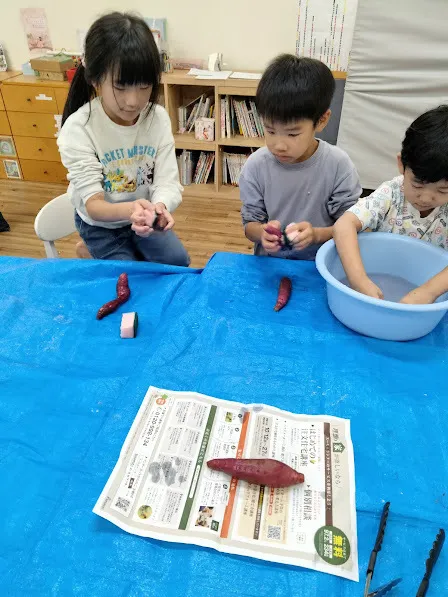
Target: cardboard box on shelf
{"type": "Point", "coordinates": [51, 76]}
{"type": "Point", "coordinates": [54, 64]}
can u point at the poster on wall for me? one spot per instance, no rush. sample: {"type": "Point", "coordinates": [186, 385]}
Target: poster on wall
{"type": "Point", "coordinates": [158, 28]}
{"type": "Point", "coordinates": [34, 21]}
{"type": "Point", "coordinates": [325, 31]}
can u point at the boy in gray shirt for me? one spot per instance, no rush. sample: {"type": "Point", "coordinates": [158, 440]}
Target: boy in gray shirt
{"type": "Point", "coordinates": [296, 183]}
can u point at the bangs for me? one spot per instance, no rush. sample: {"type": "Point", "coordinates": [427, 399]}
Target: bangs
{"type": "Point", "coordinates": [134, 63]}
{"type": "Point", "coordinates": [425, 146]}
{"type": "Point", "coordinates": [430, 167]}
{"type": "Point", "coordinates": [293, 89]}
{"type": "Point", "coordinates": [287, 107]}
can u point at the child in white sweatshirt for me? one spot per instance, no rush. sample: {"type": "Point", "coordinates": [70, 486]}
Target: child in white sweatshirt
{"type": "Point", "coordinates": [118, 148]}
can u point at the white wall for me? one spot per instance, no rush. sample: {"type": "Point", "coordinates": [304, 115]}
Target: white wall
{"type": "Point", "coordinates": [248, 32]}
{"type": "Point", "coordinates": [398, 70]}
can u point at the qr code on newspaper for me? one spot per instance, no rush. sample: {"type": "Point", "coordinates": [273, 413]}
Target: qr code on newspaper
{"type": "Point", "coordinates": [122, 504]}
{"type": "Point", "coordinates": [274, 532]}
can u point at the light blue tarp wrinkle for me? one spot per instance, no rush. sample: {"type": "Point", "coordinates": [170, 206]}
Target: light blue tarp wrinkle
{"type": "Point", "coordinates": [70, 389]}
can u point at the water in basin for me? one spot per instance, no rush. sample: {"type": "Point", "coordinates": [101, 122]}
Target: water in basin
{"type": "Point", "coordinates": [394, 287]}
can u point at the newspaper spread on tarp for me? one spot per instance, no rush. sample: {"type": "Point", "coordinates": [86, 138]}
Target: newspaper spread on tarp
{"type": "Point", "coordinates": [162, 488]}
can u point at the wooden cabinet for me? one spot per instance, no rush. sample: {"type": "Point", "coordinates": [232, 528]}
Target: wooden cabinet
{"type": "Point", "coordinates": [8, 159]}
{"type": "Point", "coordinates": [2, 170]}
{"type": "Point", "coordinates": [30, 98]}
{"type": "Point", "coordinates": [38, 171]}
{"type": "Point", "coordinates": [61, 98]}
{"type": "Point", "coordinates": [32, 115]}
{"type": "Point", "coordinates": [36, 148]}
{"type": "Point", "coordinates": [32, 125]}
{"type": "Point", "coordinates": [5, 129]}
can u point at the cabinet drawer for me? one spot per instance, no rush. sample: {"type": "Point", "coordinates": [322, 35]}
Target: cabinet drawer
{"type": "Point", "coordinates": [34, 148]}
{"type": "Point", "coordinates": [37, 171]}
{"type": "Point", "coordinates": [32, 125]}
{"type": "Point", "coordinates": [61, 98]}
{"type": "Point", "coordinates": [5, 129]}
{"type": "Point", "coordinates": [28, 98]}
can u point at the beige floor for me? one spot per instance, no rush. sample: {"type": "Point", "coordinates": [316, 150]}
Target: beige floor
{"type": "Point", "coordinates": [205, 226]}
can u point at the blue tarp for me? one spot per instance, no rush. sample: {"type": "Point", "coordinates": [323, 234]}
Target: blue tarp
{"type": "Point", "coordinates": [70, 389]}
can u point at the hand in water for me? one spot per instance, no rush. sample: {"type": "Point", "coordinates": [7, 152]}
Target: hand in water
{"type": "Point", "coordinates": [367, 287]}
{"type": "Point", "coordinates": [419, 296]}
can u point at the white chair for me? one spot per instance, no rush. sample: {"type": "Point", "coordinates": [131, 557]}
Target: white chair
{"type": "Point", "coordinates": [54, 221]}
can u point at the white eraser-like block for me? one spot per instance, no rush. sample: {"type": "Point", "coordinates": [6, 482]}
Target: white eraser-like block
{"type": "Point", "coordinates": [129, 322]}
{"type": "Point", "coordinates": [292, 235]}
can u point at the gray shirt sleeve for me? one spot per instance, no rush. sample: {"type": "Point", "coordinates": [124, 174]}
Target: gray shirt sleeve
{"type": "Point", "coordinates": [347, 188]}
{"type": "Point", "coordinates": [252, 195]}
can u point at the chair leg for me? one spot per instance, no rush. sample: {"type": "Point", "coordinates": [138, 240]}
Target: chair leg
{"type": "Point", "coordinates": [50, 250]}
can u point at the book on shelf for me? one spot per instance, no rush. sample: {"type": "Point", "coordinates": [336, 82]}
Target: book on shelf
{"type": "Point", "coordinates": [240, 117]}
{"type": "Point", "coordinates": [204, 167]}
{"type": "Point", "coordinates": [232, 165]}
{"type": "Point", "coordinates": [200, 107]}
{"type": "Point", "coordinates": [185, 165]}
{"type": "Point", "coordinates": [223, 118]}
{"type": "Point", "coordinates": [194, 169]}
{"type": "Point", "coordinates": [228, 121]}
{"type": "Point", "coordinates": [204, 129]}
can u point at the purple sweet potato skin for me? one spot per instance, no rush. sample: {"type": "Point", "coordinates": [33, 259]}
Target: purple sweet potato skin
{"type": "Point", "coordinates": [123, 294]}
{"type": "Point", "coordinates": [273, 230]}
{"type": "Point", "coordinates": [284, 292]}
{"type": "Point", "coordinates": [259, 471]}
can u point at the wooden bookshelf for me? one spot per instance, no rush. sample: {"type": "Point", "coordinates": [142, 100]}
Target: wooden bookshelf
{"type": "Point", "coordinates": [180, 89]}
{"type": "Point", "coordinates": [187, 141]}
{"type": "Point", "coordinates": [240, 141]}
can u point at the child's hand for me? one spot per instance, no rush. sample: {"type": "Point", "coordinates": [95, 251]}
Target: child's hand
{"type": "Point", "coordinates": [142, 217]}
{"type": "Point", "coordinates": [419, 296]}
{"type": "Point", "coordinates": [165, 220]}
{"type": "Point", "coordinates": [270, 242]}
{"type": "Point", "coordinates": [367, 287]}
{"type": "Point", "coordinates": [302, 235]}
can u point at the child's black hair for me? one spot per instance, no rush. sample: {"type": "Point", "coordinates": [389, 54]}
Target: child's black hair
{"type": "Point", "coordinates": [425, 146]}
{"type": "Point", "coordinates": [293, 88]}
{"type": "Point", "coordinates": [121, 44]}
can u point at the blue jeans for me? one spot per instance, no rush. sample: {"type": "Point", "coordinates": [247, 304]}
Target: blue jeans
{"type": "Point", "coordinates": [124, 245]}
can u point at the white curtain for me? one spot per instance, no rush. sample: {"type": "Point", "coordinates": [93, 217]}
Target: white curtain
{"type": "Point", "coordinates": [398, 70]}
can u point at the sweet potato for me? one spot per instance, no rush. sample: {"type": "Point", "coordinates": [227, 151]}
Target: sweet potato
{"type": "Point", "coordinates": [153, 220]}
{"type": "Point", "coordinates": [284, 292]}
{"type": "Point", "coordinates": [123, 293]}
{"type": "Point", "coordinates": [273, 230]}
{"type": "Point", "coordinates": [260, 471]}
{"type": "Point", "coordinates": [123, 290]}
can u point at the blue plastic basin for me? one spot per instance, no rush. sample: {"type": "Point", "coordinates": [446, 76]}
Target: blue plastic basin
{"type": "Point", "coordinates": [393, 255]}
